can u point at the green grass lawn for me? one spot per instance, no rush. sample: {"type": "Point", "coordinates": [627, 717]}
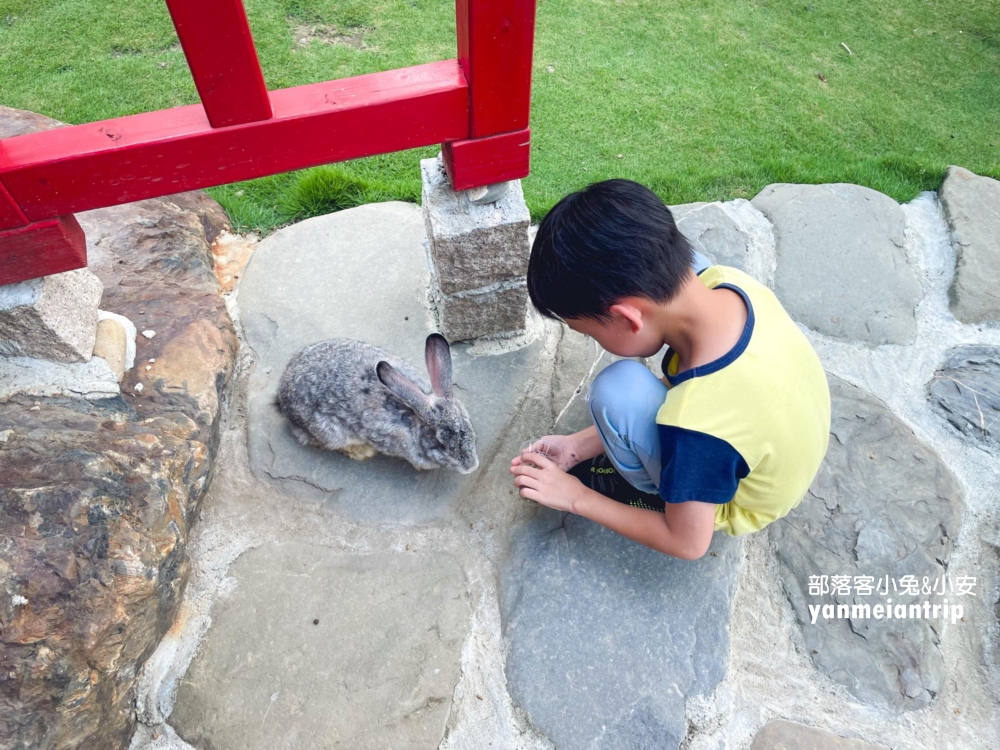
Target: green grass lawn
{"type": "Point", "coordinates": [701, 100]}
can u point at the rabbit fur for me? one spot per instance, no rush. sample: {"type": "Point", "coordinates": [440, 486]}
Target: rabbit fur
{"type": "Point", "coordinates": [356, 398]}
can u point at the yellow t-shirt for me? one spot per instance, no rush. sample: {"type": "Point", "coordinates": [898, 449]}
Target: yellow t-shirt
{"type": "Point", "coordinates": [749, 430]}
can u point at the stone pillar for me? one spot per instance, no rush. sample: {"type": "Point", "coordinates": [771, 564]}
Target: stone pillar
{"type": "Point", "coordinates": [478, 253]}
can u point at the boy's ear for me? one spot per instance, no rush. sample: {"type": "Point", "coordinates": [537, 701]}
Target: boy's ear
{"type": "Point", "coordinates": [631, 313]}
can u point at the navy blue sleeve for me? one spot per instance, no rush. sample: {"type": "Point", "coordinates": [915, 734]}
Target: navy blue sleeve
{"type": "Point", "coordinates": [698, 466]}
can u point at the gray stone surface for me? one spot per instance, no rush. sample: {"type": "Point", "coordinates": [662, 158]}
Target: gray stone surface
{"type": "Point", "coordinates": [314, 281]}
{"type": "Point", "coordinates": [38, 378]}
{"type": "Point", "coordinates": [966, 390]}
{"type": "Point", "coordinates": [731, 234]}
{"type": "Point", "coordinates": [607, 638]}
{"type": "Point", "coordinates": [972, 207]}
{"type": "Point", "coordinates": [787, 735]}
{"type": "Point", "coordinates": [842, 269]}
{"type": "Point", "coordinates": [377, 670]}
{"type": "Point", "coordinates": [54, 317]}
{"type": "Point", "coordinates": [469, 315]}
{"type": "Point", "coordinates": [473, 246]}
{"type": "Point", "coordinates": [883, 504]}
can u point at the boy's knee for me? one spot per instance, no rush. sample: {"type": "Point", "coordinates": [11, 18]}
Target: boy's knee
{"type": "Point", "coordinates": [622, 386]}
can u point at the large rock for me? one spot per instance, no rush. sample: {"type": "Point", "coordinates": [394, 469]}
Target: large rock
{"type": "Point", "coordinates": [21, 122]}
{"type": "Point", "coordinates": [97, 497]}
{"type": "Point", "coordinates": [52, 318]}
{"type": "Point", "coordinates": [317, 649]}
{"type": "Point", "coordinates": [966, 391]}
{"type": "Point", "coordinates": [786, 735]}
{"type": "Point", "coordinates": [883, 505]}
{"type": "Point", "coordinates": [732, 234]}
{"type": "Point", "coordinates": [842, 269]}
{"type": "Point", "coordinates": [607, 638]}
{"type": "Point", "coordinates": [972, 207]}
{"type": "Point", "coordinates": [314, 281]}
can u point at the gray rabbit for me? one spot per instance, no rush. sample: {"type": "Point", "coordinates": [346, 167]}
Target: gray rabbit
{"type": "Point", "coordinates": [352, 397]}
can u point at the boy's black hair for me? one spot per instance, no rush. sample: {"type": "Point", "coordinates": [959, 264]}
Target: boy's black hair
{"type": "Point", "coordinates": [611, 240]}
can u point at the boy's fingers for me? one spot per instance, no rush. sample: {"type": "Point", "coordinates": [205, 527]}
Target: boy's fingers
{"type": "Point", "coordinates": [529, 494]}
{"type": "Point", "coordinates": [540, 460]}
{"type": "Point", "coordinates": [524, 481]}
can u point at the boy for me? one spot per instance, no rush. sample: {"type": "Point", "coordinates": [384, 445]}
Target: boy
{"type": "Point", "coordinates": [734, 434]}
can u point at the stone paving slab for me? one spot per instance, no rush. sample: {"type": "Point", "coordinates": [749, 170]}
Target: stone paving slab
{"type": "Point", "coordinates": [883, 504]}
{"type": "Point", "coordinates": [966, 391]}
{"type": "Point", "coordinates": [360, 273]}
{"type": "Point", "coordinates": [972, 207]}
{"type": "Point", "coordinates": [319, 649]}
{"type": "Point", "coordinates": [842, 269]}
{"type": "Point", "coordinates": [733, 233]}
{"type": "Point", "coordinates": [607, 638]}
{"type": "Point", "coordinates": [787, 735]}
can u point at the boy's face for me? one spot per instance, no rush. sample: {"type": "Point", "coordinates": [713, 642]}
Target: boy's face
{"type": "Point", "coordinates": [625, 335]}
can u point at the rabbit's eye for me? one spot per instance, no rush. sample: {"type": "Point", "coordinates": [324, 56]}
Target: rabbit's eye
{"type": "Point", "coordinates": [446, 434]}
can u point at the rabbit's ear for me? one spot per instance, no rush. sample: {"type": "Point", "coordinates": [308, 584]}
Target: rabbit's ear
{"type": "Point", "coordinates": [406, 390]}
{"type": "Point", "coordinates": [437, 355]}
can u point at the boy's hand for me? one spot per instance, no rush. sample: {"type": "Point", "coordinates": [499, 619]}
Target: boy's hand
{"type": "Point", "coordinates": [547, 484]}
{"type": "Point", "coordinates": [562, 451]}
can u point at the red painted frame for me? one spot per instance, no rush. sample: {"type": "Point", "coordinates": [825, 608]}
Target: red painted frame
{"type": "Point", "coordinates": [477, 107]}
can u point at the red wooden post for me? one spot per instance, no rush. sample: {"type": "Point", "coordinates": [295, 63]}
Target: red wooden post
{"type": "Point", "coordinates": [217, 43]}
{"type": "Point", "coordinates": [495, 45]}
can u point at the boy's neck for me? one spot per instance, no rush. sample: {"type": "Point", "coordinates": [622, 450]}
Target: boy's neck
{"type": "Point", "coordinates": [700, 324]}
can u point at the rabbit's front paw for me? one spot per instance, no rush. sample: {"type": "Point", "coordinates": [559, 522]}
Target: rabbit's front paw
{"type": "Point", "coordinates": [359, 451]}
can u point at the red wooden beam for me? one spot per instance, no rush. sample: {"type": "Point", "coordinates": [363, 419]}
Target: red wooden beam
{"type": "Point", "coordinates": [485, 161]}
{"type": "Point", "coordinates": [41, 249]}
{"type": "Point", "coordinates": [495, 42]}
{"type": "Point", "coordinates": [77, 168]}
{"type": "Point", "coordinates": [217, 43]}
{"type": "Point", "coordinates": [10, 213]}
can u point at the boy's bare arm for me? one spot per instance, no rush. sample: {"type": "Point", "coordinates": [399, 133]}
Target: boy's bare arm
{"type": "Point", "coordinates": [587, 443]}
{"type": "Point", "coordinates": [684, 530]}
